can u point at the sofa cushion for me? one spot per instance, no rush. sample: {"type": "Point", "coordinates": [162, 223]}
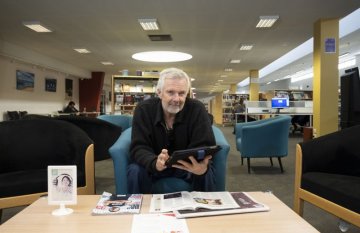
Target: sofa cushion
{"type": "Point", "coordinates": [341, 189]}
{"type": "Point", "coordinates": [29, 182]}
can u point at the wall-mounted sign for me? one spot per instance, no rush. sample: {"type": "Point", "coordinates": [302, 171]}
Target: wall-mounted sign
{"type": "Point", "coordinates": [330, 45]}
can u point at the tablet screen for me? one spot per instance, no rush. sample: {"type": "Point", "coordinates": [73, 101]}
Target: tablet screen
{"type": "Point", "coordinates": [199, 154]}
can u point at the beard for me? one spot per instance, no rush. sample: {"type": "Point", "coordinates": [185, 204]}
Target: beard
{"type": "Point", "coordinates": [173, 109]}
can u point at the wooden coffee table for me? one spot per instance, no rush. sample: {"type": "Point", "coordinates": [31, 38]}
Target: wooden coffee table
{"type": "Point", "coordinates": [37, 218]}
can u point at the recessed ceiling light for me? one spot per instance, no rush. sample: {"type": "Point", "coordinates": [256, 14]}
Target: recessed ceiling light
{"type": "Point", "coordinates": [267, 21]}
{"type": "Point", "coordinates": [246, 47]}
{"type": "Point", "coordinates": [228, 70]}
{"type": "Point", "coordinates": [223, 76]}
{"type": "Point", "coordinates": [235, 61]}
{"type": "Point", "coordinates": [107, 63]}
{"type": "Point", "coordinates": [149, 24]}
{"type": "Point", "coordinates": [161, 56]}
{"type": "Point", "coordinates": [82, 50]}
{"type": "Point", "coordinates": [36, 26]}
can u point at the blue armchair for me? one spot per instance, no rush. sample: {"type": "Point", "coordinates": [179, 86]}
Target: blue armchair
{"type": "Point", "coordinates": [124, 121]}
{"type": "Point", "coordinates": [263, 138]}
{"type": "Point", "coordinates": [120, 155]}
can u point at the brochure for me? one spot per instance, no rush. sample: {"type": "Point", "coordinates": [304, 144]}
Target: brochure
{"type": "Point", "coordinates": [246, 204]}
{"type": "Point", "coordinates": [161, 203]}
{"type": "Point", "coordinates": [110, 204]}
{"type": "Point", "coordinates": [154, 223]}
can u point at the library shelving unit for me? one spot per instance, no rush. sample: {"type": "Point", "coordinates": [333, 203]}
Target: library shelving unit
{"type": "Point", "coordinates": [294, 95]}
{"type": "Point", "coordinates": [228, 102]}
{"type": "Point", "coordinates": [127, 91]}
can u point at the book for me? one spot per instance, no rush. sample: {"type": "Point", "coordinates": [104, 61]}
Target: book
{"type": "Point", "coordinates": [246, 204]}
{"type": "Point", "coordinates": [168, 202]}
{"type": "Point", "coordinates": [110, 204]}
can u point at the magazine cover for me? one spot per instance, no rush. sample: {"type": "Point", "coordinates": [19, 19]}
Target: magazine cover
{"type": "Point", "coordinates": [118, 204]}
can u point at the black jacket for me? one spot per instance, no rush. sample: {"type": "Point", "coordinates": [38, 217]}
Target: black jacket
{"type": "Point", "coordinates": [191, 128]}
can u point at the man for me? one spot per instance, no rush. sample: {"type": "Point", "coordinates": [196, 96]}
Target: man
{"type": "Point", "coordinates": [166, 123]}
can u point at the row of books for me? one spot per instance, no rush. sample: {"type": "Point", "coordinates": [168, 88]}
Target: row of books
{"type": "Point", "coordinates": [181, 204]}
{"type": "Point", "coordinates": [132, 99]}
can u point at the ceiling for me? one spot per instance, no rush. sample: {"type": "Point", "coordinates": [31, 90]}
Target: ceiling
{"type": "Point", "coordinates": [210, 30]}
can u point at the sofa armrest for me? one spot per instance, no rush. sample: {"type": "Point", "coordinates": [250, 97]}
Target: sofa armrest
{"type": "Point", "coordinates": [220, 159]}
{"type": "Point", "coordinates": [120, 154]}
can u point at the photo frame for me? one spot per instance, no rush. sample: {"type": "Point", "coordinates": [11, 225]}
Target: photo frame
{"type": "Point", "coordinates": [62, 185]}
{"type": "Point", "coordinates": [50, 84]}
{"type": "Point", "coordinates": [68, 88]}
{"type": "Point", "coordinates": [24, 80]}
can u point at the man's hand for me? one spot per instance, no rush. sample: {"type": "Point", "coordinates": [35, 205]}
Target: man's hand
{"type": "Point", "coordinates": [195, 167]}
{"type": "Point", "coordinates": [161, 159]}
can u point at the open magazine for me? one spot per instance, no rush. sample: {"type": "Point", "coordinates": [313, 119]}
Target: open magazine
{"type": "Point", "coordinates": [110, 204]}
{"type": "Point", "coordinates": [246, 204]}
{"type": "Point", "coordinates": [168, 202]}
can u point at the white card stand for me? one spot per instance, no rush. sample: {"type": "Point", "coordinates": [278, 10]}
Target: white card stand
{"type": "Point", "coordinates": [62, 211]}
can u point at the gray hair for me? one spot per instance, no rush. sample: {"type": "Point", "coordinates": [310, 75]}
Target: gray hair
{"type": "Point", "coordinates": [172, 73]}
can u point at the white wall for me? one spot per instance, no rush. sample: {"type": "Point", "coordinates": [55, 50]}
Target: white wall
{"type": "Point", "coordinates": [37, 101]}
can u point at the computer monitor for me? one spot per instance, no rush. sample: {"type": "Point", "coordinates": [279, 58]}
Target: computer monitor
{"type": "Point", "coordinates": [279, 102]}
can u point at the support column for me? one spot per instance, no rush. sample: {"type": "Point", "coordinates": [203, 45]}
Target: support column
{"type": "Point", "coordinates": [326, 75]}
{"type": "Point", "coordinates": [254, 85]}
{"type": "Point", "coordinates": [233, 88]}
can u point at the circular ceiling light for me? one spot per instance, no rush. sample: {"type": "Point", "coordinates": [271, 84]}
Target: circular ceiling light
{"type": "Point", "coordinates": [161, 56]}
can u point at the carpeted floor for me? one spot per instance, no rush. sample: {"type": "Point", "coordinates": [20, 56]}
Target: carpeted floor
{"type": "Point", "coordinates": [263, 177]}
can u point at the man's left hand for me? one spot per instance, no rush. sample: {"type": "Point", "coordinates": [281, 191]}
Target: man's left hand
{"type": "Point", "coordinates": [195, 167]}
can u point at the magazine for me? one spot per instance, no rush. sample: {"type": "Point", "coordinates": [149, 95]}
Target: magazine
{"type": "Point", "coordinates": [161, 203]}
{"type": "Point", "coordinates": [110, 204]}
{"type": "Point", "coordinates": [246, 204]}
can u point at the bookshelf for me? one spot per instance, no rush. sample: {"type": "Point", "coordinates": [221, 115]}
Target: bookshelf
{"type": "Point", "coordinates": [128, 91]}
{"type": "Point", "coordinates": [228, 102]}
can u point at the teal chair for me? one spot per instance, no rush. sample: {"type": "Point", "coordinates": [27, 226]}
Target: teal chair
{"type": "Point", "coordinates": [119, 152]}
{"type": "Point", "coordinates": [265, 138]}
{"type": "Point", "coordinates": [124, 121]}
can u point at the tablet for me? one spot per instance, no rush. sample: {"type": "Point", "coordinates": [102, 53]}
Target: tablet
{"type": "Point", "coordinates": [199, 154]}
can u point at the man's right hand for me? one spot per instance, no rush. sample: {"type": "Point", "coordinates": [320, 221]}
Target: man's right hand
{"type": "Point", "coordinates": [161, 159]}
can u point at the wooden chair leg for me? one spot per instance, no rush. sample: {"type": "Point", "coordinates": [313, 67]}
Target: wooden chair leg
{"type": "Point", "coordinates": [281, 166]}
{"type": "Point", "coordinates": [271, 162]}
{"type": "Point", "coordinates": [248, 165]}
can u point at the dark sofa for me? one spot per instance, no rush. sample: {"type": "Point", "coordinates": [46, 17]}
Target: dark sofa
{"type": "Point", "coordinates": [27, 147]}
{"type": "Point", "coordinates": [103, 133]}
{"type": "Point", "coordinates": [327, 174]}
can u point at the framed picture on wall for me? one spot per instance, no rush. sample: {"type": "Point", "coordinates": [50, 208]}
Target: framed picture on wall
{"type": "Point", "coordinates": [50, 84]}
{"type": "Point", "coordinates": [24, 80]}
{"type": "Point", "coordinates": [68, 88]}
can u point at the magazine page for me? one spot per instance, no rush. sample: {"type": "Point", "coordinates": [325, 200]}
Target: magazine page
{"type": "Point", "coordinates": [184, 200]}
{"type": "Point", "coordinates": [246, 204]}
{"type": "Point", "coordinates": [161, 203]}
{"type": "Point", "coordinates": [214, 200]}
{"type": "Point", "coordinates": [110, 204]}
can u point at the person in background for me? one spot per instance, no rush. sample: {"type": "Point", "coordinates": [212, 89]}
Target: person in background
{"type": "Point", "coordinates": [171, 121]}
{"type": "Point", "coordinates": [70, 108]}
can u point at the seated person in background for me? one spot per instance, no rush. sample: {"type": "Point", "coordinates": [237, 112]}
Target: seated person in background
{"type": "Point", "coordinates": [70, 108]}
{"type": "Point", "coordinates": [299, 121]}
{"type": "Point", "coordinates": [166, 123]}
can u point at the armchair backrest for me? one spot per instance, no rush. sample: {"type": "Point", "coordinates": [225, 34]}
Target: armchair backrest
{"type": "Point", "coordinates": [263, 138]}
{"type": "Point", "coordinates": [336, 153]}
{"type": "Point", "coordinates": [124, 121]}
{"type": "Point", "coordinates": [120, 154]}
